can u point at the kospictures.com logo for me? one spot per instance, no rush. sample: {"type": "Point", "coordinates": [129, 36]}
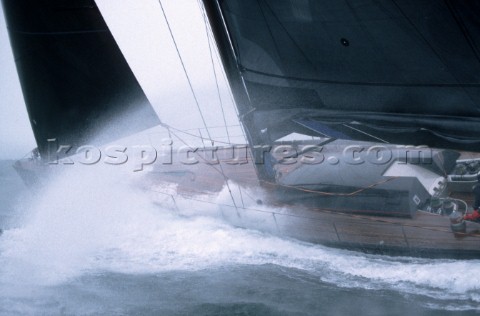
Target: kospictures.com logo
{"type": "Point", "coordinates": [167, 154]}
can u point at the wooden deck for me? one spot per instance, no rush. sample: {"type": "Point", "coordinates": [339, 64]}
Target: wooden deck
{"type": "Point", "coordinates": [251, 206]}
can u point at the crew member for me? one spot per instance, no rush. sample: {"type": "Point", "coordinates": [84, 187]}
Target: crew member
{"type": "Point", "coordinates": [475, 216]}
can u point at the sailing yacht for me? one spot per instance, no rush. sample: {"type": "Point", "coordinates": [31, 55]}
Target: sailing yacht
{"type": "Point", "coordinates": [361, 117]}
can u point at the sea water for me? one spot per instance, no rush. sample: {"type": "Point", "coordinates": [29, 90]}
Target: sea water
{"type": "Point", "coordinates": [90, 242]}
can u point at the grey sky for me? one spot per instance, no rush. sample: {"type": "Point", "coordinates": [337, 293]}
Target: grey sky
{"type": "Point", "coordinates": [16, 137]}
{"type": "Point", "coordinates": [141, 32]}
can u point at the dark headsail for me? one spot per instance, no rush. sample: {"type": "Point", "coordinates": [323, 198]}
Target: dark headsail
{"type": "Point", "coordinates": [74, 77]}
{"type": "Point", "coordinates": [398, 71]}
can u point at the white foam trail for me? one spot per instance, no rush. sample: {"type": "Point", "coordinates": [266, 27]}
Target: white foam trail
{"type": "Point", "coordinates": [90, 220]}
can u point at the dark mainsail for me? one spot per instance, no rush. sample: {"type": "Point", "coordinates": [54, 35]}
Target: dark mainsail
{"type": "Point", "coordinates": [399, 71]}
{"type": "Point", "coordinates": [74, 77]}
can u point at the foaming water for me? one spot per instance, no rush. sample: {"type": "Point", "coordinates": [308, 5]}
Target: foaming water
{"type": "Point", "coordinates": [92, 220]}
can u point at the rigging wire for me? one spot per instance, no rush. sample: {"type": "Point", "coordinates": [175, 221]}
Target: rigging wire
{"type": "Point", "coordinates": [330, 193]}
{"type": "Point", "coordinates": [198, 106]}
{"type": "Point", "coordinates": [217, 56]}
{"type": "Point", "coordinates": [241, 196]}
{"type": "Point", "coordinates": [221, 171]}
{"type": "Point", "coordinates": [214, 69]}
{"type": "Point", "coordinates": [191, 134]}
{"type": "Point", "coordinates": [230, 126]}
{"type": "Point", "coordinates": [201, 136]}
{"type": "Point", "coordinates": [185, 70]}
{"type": "Point", "coordinates": [328, 211]}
